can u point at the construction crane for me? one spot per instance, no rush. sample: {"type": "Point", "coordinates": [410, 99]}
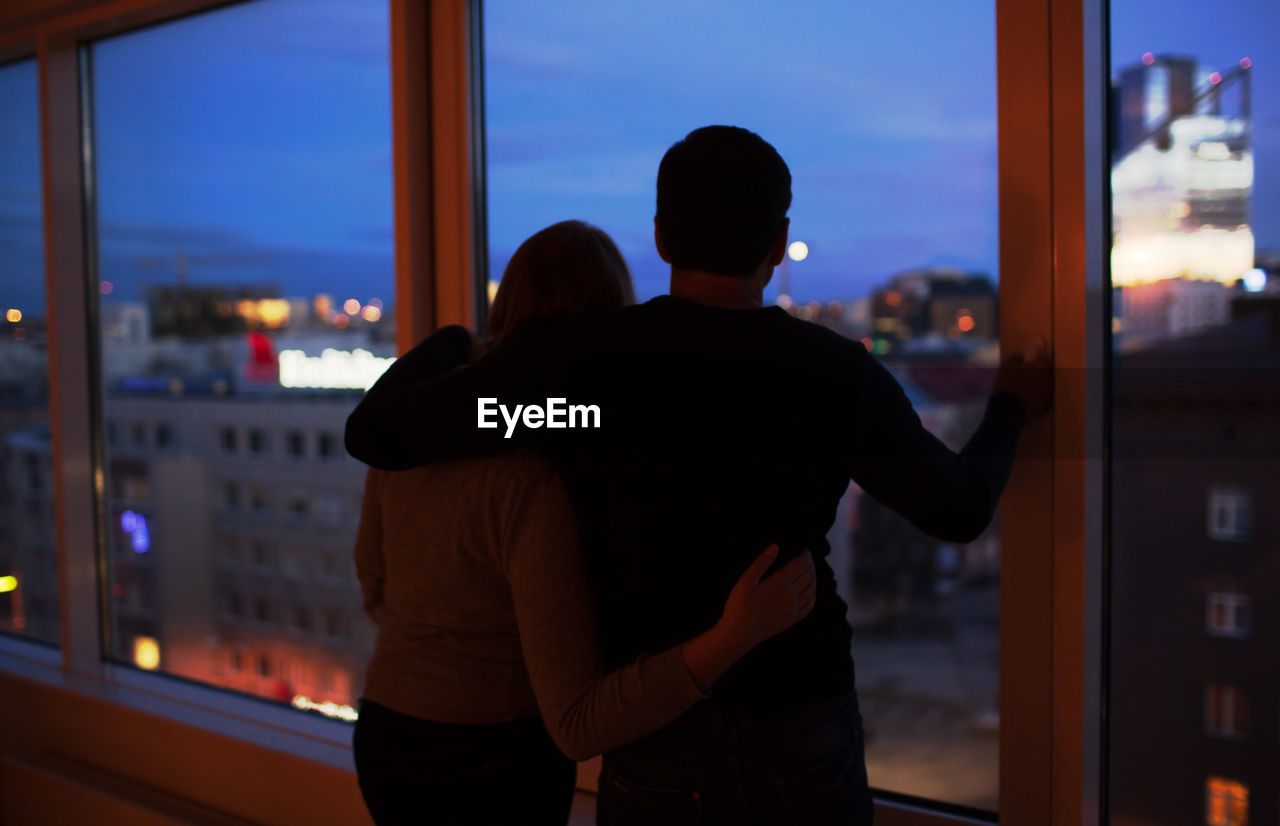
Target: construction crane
{"type": "Point", "coordinates": [1217, 82]}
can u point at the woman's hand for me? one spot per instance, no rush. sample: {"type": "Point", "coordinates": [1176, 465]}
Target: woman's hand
{"type": "Point", "coordinates": [757, 608]}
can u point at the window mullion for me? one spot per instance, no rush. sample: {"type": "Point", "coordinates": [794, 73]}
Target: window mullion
{"type": "Point", "coordinates": [77, 472]}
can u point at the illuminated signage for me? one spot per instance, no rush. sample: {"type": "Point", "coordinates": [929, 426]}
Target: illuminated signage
{"type": "Point", "coordinates": [332, 369]}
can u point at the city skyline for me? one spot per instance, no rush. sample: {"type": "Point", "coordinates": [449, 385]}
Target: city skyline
{"type": "Point", "coordinates": [928, 164]}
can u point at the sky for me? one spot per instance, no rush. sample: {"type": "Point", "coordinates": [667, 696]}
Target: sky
{"type": "Point", "coordinates": [255, 140]}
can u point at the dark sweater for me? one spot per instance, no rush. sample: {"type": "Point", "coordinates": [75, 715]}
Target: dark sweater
{"type": "Point", "coordinates": [721, 431]}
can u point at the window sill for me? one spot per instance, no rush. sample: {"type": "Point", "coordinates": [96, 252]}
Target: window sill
{"type": "Point", "coordinates": [248, 719]}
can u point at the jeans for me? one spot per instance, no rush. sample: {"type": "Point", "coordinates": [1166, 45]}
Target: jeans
{"type": "Point", "coordinates": [415, 771]}
{"type": "Point", "coordinates": [716, 765]}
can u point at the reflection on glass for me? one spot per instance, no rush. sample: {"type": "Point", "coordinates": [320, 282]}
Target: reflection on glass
{"type": "Point", "coordinates": [244, 215]}
{"type": "Point", "coordinates": [1195, 272]}
{"type": "Point", "coordinates": [28, 558]}
{"type": "Point", "coordinates": [886, 117]}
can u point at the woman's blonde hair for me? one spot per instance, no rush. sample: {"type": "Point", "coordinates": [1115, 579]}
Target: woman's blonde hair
{"type": "Point", "coordinates": [558, 272]}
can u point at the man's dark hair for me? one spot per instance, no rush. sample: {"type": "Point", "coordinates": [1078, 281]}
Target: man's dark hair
{"type": "Point", "coordinates": [723, 193]}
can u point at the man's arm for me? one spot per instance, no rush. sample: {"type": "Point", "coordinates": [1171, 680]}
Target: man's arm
{"type": "Point", "coordinates": [373, 428]}
{"type": "Point", "coordinates": [948, 495]}
{"type": "Point", "coordinates": [418, 417]}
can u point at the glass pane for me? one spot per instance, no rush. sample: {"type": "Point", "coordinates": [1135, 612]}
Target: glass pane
{"type": "Point", "coordinates": [246, 288]}
{"type": "Point", "coordinates": [887, 119]}
{"type": "Point", "coordinates": [1195, 344]}
{"type": "Point", "coordinates": [28, 556]}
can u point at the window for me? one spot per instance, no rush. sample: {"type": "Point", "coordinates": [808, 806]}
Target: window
{"type": "Point", "coordinates": [894, 182]}
{"type": "Point", "coordinates": [233, 604]}
{"type": "Point", "coordinates": [302, 617]}
{"type": "Point", "coordinates": [242, 160]}
{"type": "Point", "coordinates": [1226, 711]}
{"type": "Point", "coordinates": [299, 505]}
{"type": "Point", "coordinates": [1226, 802]}
{"type": "Point", "coordinates": [333, 623]}
{"type": "Point", "coordinates": [1230, 514]}
{"type": "Point", "coordinates": [1195, 139]}
{"type": "Point", "coordinates": [1228, 614]}
{"type": "Point", "coordinates": [262, 554]}
{"type": "Point", "coordinates": [259, 498]}
{"type": "Point", "coordinates": [327, 445]}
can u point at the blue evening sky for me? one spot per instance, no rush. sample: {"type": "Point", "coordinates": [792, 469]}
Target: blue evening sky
{"type": "Point", "coordinates": [255, 140]}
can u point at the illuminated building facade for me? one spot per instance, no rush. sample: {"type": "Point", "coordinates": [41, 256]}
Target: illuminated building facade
{"type": "Point", "coordinates": [1182, 183]}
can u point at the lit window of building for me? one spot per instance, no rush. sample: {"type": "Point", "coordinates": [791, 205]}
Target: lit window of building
{"type": "Point", "coordinates": [1230, 515]}
{"type": "Point", "coordinates": [1226, 802]}
{"type": "Point", "coordinates": [1226, 711]}
{"type": "Point", "coordinates": [1228, 614]}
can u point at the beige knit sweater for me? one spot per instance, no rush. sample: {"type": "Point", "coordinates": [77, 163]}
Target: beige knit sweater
{"type": "Point", "coordinates": [473, 572]}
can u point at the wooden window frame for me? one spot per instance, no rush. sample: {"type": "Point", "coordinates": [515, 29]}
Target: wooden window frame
{"type": "Point", "coordinates": [1052, 81]}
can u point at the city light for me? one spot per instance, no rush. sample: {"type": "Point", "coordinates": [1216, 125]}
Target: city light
{"type": "Point", "coordinates": [328, 709]}
{"type": "Point", "coordinates": [491, 289]}
{"type": "Point", "coordinates": [371, 313]}
{"type": "Point", "coordinates": [8, 583]}
{"type": "Point", "coordinates": [1148, 59]}
{"type": "Point", "coordinates": [1245, 63]}
{"type": "Point", "coordinates": [351, 306]}
{"type": "Point", "coordinates": [964, 321]}
{"type": "Point", "coordinates": [783, 300]}
{"type": "Point", "coordinates": [146, 653]}
{"type": "Point", "coordinates": [13, 316]}
{"type": "Point", "coordinates": [332, 369]}
{"type": "Point", "coordinates": [270, 312]}
{"type": "Point", "coordinates": [798, 250]}
{"type": "Point", "coordinates": [1215, 78]}
{"type": "Point", "coordinates": [135, 524]}
{"type": "Point", "coordinates": [106, 287]}
{"type": "Point", "coordinates": [1255, 280]}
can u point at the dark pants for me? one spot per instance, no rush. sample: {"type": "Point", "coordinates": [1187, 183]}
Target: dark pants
{"type": "Point", "coordinates": [415, 771]}
{"type": "Point", "coordinates": [717, 765]}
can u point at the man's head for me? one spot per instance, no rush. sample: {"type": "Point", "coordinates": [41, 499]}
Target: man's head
{"type": "Point", "coordinates": [723, 195]}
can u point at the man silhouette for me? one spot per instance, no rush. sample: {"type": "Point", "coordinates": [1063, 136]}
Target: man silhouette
{"type": "Point", "coordinates": [724, 426]}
